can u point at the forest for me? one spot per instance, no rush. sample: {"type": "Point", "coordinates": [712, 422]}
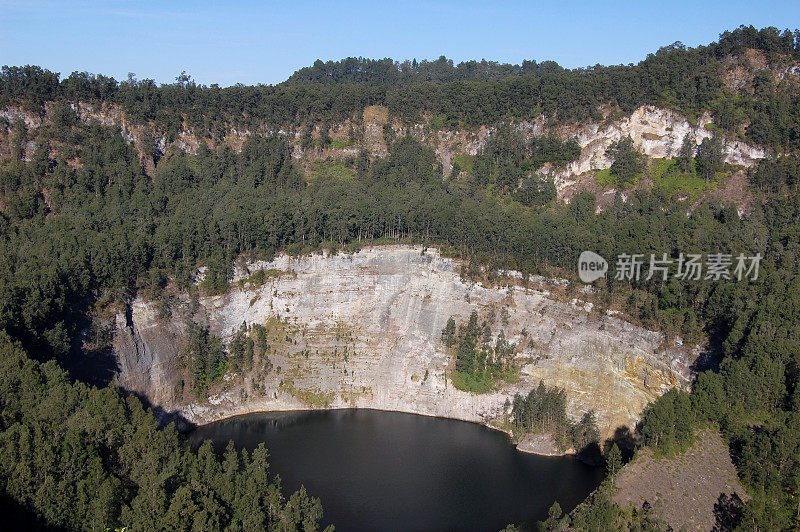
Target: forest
{"type": "Point", "coordinates": [689, 80]}
{"type": "Point", "coordinates": [81, 457]}
{"type": "Point", "coordinates": [83, 225]}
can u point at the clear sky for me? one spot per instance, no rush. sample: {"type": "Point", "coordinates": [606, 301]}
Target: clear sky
{"type": "Point", "coordinates": [264, 42]}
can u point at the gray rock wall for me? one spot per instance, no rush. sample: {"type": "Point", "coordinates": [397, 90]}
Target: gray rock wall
{"type": "Point", "coordinates": [364, 330]}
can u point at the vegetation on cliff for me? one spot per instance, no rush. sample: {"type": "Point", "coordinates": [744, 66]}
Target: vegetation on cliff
{"type": "Point", "coordinates": [481, 358]}
{"type": "Point", "coordinates": [544, 411]}
{"type": "Point", "coordinates": [82, 224]}
{"type": "Point", "coordinates": [509, 163]}
{"type": "Point", "coordinates": [690, 80]}
{"type": "Point", "coordinates": [88, 232]}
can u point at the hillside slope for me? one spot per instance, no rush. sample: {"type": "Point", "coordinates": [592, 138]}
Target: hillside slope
{"type": "Point", "coordinates": [683, 490]}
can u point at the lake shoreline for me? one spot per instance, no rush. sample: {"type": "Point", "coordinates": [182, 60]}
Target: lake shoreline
{"type": "Point", "coordinates": [448, 473]}
{"type": "Point", "coordinates": [525, 445]}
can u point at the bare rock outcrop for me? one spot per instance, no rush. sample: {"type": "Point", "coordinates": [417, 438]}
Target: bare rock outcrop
{"type": "Point", "coordinates": [656, 132]}
{"type": "Point", "coordinates": [364, 329]}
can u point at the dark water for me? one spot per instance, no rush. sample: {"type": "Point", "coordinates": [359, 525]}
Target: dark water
{"type": "Point", "coordinates": [377, 470]}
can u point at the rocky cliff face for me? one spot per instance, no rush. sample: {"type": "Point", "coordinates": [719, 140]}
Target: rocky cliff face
{"type": "Point", "coordinates": [363, 330]}
{"type": "Point", "coordinates": [656, 132]}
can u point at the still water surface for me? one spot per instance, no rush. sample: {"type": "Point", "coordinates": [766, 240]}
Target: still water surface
{"type": "Point", "coordinates": [376, 470]}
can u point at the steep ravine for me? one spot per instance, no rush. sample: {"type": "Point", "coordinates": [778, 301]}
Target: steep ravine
{"type": "Point", "coordinates": [363, 330]}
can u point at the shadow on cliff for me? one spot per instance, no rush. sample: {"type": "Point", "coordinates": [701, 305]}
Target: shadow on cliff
{"type": "Point", "coordinates": [626, 442]}
{"type": "Point", "coordinates": [91, 356]}
{"type": "Point", "coordinates": [595, 455]}
{"type": "Point", "coordinates": [164, 416]}
{"type": "Point", "coordinates": [710, 355]}
{"type": "Point", "coordinates": [92, 366]}
{"type": "Point", "coordinates": [98, 368]}
{"type": "Point", "coordinates": [19, 517]}
{"type": "Point", "coordinates": [591, 455]}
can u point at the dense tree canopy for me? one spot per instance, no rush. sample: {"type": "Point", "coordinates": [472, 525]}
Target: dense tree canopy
{"type": "Point", "coordinates": [84, 225]}
{"type": "Point", "coordinates": [82, 458]}
{"type": "Point", "coordinates": [690, 80]}
{"type": "Point", "coordinates": [627, 163]}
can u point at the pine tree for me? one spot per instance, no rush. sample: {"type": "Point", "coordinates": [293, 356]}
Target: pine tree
{"type": "Point", "coordinates": [628, 163]}
{"type": "Point", "coordinates": [687, 153]}
{"type": "Point", "coordinates": [709, 157]}
{"type": "Point", "coordinates": [613, 461]}
{"type": "Point", "coordinates": [553, 518]}
{"type": "Point", "coordinates": [449, 333]}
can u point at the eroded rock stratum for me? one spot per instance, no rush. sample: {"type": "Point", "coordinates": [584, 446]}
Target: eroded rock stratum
{"type": "Point", "coordinates": [364, 329]}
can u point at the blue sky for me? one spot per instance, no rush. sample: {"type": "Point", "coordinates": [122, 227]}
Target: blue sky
{"type": "Point", "coordinates": [264, 42]}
